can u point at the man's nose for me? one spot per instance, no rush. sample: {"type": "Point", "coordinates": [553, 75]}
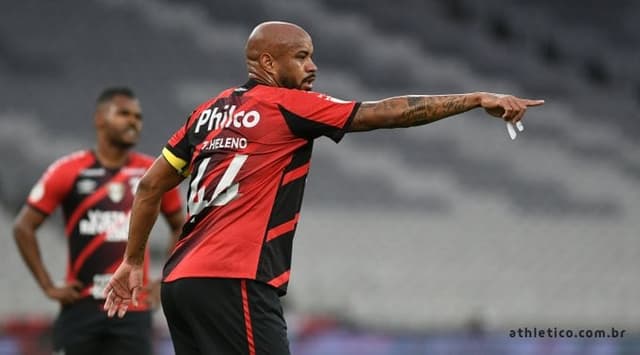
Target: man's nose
{"type": "Point", "coordinates": [134, 120]}
{"type": "Point", "coordinates": [311, 66]}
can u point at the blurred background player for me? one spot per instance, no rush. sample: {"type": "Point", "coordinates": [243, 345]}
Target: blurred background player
{"type": "Point", "coordinates": [248, 153]}
{"type": "Point", "coordinates": [95, 188]}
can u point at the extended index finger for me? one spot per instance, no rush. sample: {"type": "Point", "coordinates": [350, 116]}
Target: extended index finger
{"type": "Point", "coordinates": [533, 102]}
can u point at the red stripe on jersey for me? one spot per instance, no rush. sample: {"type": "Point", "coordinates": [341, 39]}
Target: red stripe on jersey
{"type": "Point", "coordinates": [95, 243]}
{"type": "Point", "coordinates": [280, 279]}
{"type": "Point", "coordinates": [86, 291]}
{"type": "Point", "coordinates": [88, 202]}
{"type": "Point", "coordinates": [285, 227]}
{"type": "Point", "coordinates": [247, 317]}
{"type": "Point", "coordinates": [295, 174]}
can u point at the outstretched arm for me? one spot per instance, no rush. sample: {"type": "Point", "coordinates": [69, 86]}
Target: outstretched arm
{"type": "Point", "coordinates": [416, 110]}
{"type": "Point", "coordinates": [126, 283]}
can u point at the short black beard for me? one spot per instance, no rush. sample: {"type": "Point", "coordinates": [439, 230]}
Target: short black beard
{"type": "Point", "coordinates": [289, 84]}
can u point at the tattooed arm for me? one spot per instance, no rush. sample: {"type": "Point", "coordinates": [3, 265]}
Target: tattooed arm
{"type": "Point", "coordinates": [416, 110]}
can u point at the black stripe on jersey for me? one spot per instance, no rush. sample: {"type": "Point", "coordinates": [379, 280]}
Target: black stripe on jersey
{"type": "Point", "coordinates": [309, 129]}
{"type": "Point", "coordinates": [275, 258]}
{"type": "Point", "coordinates": [300, 157]}
{"type": "Point", "coordinates": [244, 88]}
{"type": "Point", "coordinates": [275, 254]}
{"type": "Point", "coordinates": [73, 200]}
{"type": "Point", "coordinates": [289, 197]}
{"type": "Point", "coordinates": [101, 259]}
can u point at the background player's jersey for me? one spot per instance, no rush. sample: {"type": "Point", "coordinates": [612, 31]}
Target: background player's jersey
{"type": "Point", "coordinates": [248, 153]}
{"type": "Point", "coordinates": [96, 203]}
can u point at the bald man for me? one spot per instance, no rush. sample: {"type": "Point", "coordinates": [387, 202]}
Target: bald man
{"type": "Point", "coordinates": [247, 152]}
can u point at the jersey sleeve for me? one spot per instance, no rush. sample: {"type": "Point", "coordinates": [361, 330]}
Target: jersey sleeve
{"type": "Point", "coordinates": [51, 189]}
{"type": "Point", "coordinates": [310, 115]}
{"type": "Point", "coordinates": [177, 151]}
{"type": "Point", "coordinates": [171, 202]}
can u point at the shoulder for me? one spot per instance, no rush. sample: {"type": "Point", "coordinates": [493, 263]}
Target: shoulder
{"type": "Point", "coordinates": [72, 161]}
{"type": "Point", "coordinates": [62, 173]}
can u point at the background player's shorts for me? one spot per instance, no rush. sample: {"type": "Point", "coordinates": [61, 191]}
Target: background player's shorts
{"type": "Point", "coordinates": [84, 328]}
{"type": "Point", "coordinates": [224, 316]}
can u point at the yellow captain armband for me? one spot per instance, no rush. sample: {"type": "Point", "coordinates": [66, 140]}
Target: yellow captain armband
{"type": "Point", "coordinates": [178, 163]}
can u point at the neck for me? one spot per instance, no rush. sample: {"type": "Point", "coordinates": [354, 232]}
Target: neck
{"type": "Point", "coordinates": [263, 78]}
{"type": "Point", "coordinates": [110, 155]}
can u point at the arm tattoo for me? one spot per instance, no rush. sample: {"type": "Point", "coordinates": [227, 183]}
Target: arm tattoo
{"type": "Point", "coordinates": [407, 111]}
{"type": "Point", "coordinates": [427, 109]}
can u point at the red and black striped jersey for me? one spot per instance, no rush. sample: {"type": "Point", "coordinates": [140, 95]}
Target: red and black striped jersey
{"type": "Point", "coordinates": [96, 204]}
{"type": "Point", "coordinates": [248, 152]}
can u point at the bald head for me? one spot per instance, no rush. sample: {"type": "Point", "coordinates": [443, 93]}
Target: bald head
{"type": "Point", "coordinates": [275, 38]}
{"type": "Point", "coordinates": [279, 54]}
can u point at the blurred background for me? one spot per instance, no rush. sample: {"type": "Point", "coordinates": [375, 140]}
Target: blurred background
{"type": "Point", "coordinates": [432, 240]}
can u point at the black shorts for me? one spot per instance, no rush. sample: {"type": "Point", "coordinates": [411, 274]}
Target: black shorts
{"type": "Point", "coordinates": [224, 316]}
{"type": "Point", "coordinates": [84, 328]}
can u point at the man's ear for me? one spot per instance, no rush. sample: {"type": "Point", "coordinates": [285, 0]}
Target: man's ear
{"type": "Point", "coordinates": [268, 63]}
